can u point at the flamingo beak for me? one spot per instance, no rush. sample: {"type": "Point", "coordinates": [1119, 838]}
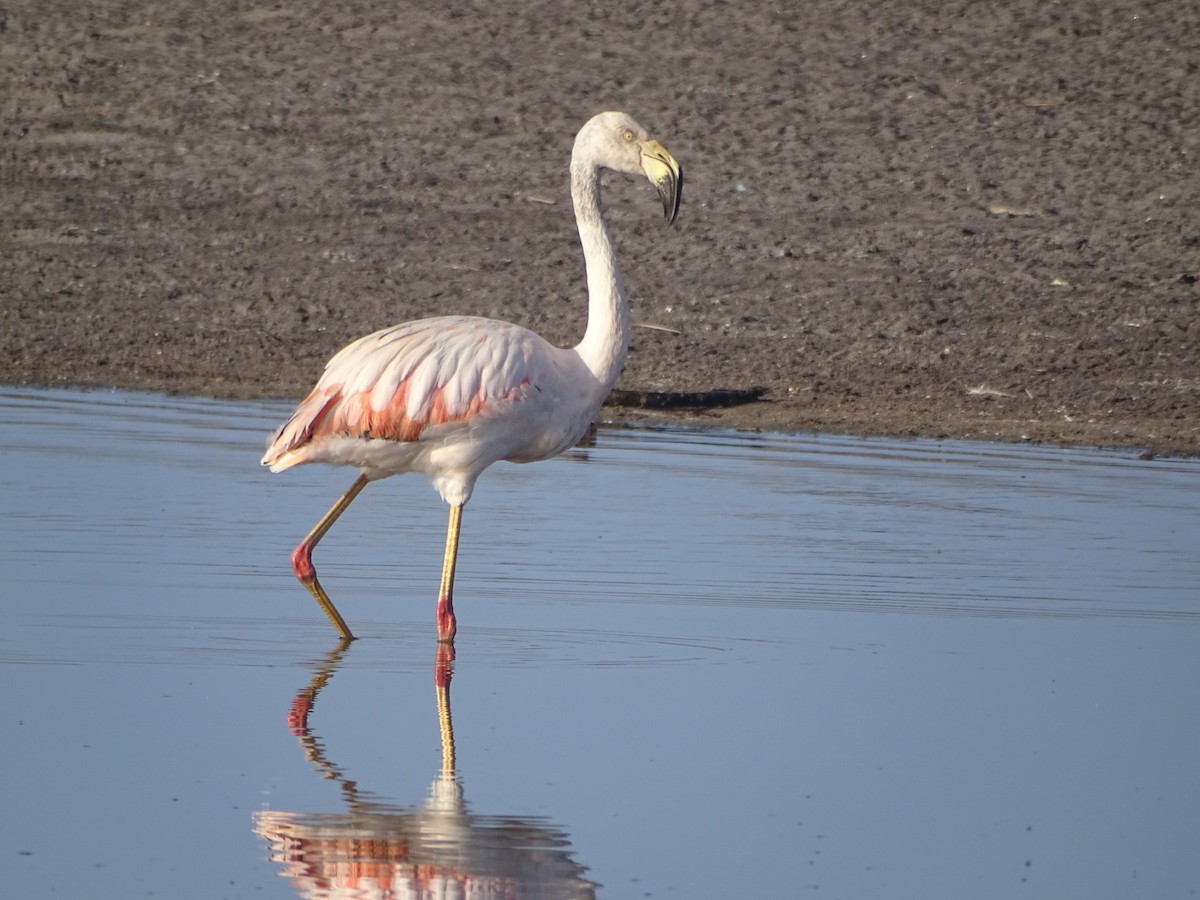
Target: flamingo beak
{"type": "Point", "coordinates": [665, 174]}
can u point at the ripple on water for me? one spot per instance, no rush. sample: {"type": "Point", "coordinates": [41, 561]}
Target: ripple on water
{"type": "Point", "coordinates": [155, 508]}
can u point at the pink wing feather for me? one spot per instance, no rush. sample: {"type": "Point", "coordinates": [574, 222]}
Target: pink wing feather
{"type": "Point", "coordinates": [396, 383]}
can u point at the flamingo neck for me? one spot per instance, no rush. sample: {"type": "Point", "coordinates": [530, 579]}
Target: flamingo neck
{"type": "Point", "coordinates": [606, 341]}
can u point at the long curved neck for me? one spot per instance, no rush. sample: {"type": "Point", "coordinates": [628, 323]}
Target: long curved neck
{"type": "Point", "coordinates": [606, 341]}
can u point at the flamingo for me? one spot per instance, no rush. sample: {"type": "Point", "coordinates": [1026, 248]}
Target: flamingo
{"type": "Point", "coordinates": [448, 396]}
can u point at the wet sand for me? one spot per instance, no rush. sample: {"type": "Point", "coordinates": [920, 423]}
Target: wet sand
{"type": "Point", "coordinates": [972, 222]}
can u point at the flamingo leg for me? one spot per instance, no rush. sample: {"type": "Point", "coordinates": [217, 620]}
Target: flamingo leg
{"type": "Point", "coordinates": [302, 563]}
{"type": "Point", "coordinates": [446, 623]}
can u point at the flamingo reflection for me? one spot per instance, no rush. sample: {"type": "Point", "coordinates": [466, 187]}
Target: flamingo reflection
{"type": "Point", "coordinates": [436, 849]}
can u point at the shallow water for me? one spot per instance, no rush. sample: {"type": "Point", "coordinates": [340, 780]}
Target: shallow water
{"type": "Point", "coordinates": [689, 664]}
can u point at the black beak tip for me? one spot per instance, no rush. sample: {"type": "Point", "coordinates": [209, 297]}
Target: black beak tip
{"type": "Point", "coordinates": [672, 196]}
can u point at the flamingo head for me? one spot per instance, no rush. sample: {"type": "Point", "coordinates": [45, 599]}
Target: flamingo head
{"type": "Point", "coordinates": [615, 141]}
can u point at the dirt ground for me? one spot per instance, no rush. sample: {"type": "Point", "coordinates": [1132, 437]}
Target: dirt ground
{"type": "Point", "coordinates": [971, 220]}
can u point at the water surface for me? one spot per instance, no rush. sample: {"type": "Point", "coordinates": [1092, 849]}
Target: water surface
{"type": "Point", "coordinates": [690, 664]}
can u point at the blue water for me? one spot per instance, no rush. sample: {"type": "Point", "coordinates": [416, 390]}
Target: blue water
{"type": "Point", "coordinates": [689, 664]}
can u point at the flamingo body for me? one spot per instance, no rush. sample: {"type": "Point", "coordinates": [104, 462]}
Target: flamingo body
{"type": "Point", "coordinates": [449, 396]}
{"type": "Point", "coordinates": [446, 397]}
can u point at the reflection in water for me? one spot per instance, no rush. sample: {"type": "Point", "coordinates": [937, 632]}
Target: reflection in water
{"type": "Point", "coordinates": [438, 849]}
{"type": "Point", "coordinates": [1004, 638]}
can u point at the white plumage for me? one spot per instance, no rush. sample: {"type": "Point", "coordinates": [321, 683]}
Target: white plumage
{"type": "Point", "coordinates": [449, 396]}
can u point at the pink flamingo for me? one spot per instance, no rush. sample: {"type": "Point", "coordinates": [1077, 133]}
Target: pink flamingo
{"type": "Point", "coordinates": [451, 395]}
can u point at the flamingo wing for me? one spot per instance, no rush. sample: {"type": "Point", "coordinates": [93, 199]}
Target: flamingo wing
{"type": "Point", "coordinates": [397, 383]}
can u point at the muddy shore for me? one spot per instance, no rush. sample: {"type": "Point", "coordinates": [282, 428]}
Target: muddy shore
{"type": "Point", "coordinates": [976, 221]}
